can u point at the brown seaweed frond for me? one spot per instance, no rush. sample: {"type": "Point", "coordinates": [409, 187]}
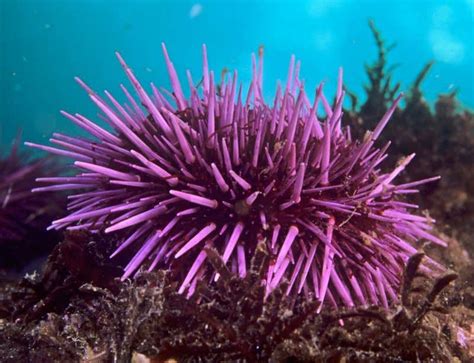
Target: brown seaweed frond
{"type": "Point", "coordinates": [380, 91]}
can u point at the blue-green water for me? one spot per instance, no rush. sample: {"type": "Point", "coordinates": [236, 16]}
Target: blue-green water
{"type": "Point", "coordinates": [45, 43]}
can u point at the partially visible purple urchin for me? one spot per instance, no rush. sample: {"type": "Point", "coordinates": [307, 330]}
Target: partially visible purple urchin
{"type": "Point", "coordinates": [24, 215]}
{"type": "Point", "coordinates": [21, 211]}
{"type": "Point", "coordinates": [177, 174]}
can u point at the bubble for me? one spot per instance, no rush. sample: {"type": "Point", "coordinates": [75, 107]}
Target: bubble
{"type": "Point", "coordinates": [195, 11]}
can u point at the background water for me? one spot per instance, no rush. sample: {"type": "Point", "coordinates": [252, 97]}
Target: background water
{"type": "Point", "coordinates": [45, 43]}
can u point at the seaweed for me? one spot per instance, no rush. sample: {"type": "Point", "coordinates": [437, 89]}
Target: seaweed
{"type": "Point", "coordinates": [380, 90]}
{"type": "Point", "coordinates": [235, 320]}
{"type": "Point", "coordinates": [79, 259]}
{"type": "Point", "coordinates": [442, 138]}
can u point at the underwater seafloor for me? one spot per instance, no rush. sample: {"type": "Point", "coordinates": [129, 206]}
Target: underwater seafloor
{"type": "Point", "coordinates": [75, 308]}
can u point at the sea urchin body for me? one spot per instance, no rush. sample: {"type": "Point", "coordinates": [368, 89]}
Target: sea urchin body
{"type": "Point", "coordinates": [227, 170]}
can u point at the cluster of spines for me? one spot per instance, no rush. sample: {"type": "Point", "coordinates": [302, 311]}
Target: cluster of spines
{"type": "Point", "coordinates": [214, 170]}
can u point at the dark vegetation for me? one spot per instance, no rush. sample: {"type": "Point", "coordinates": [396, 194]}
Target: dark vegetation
{"type": "Point", "coordinates": [228, 321]}
{"type": "Point", "coordinates": [442, 138]}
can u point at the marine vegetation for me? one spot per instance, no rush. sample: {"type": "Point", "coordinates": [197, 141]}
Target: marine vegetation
{"type": "Point", "coordinates": [442, 136]}
{"type": "Point", "coordinates": [232, 320]}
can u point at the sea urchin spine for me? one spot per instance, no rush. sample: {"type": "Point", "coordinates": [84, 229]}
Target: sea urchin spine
{"type": "Point", "coordinates": [182, 173]}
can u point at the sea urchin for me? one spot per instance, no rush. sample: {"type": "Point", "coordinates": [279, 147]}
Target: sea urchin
{"type": "Point", "coordinates": [24, 215]}
{"type": "Point", "coordinates": [176, 174]}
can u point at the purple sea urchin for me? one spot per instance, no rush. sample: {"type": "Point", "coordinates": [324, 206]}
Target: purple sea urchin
{"type": "Point", "coordinates": [213, 170]}
{"type": "Point", "coordinates": [24, 215]}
